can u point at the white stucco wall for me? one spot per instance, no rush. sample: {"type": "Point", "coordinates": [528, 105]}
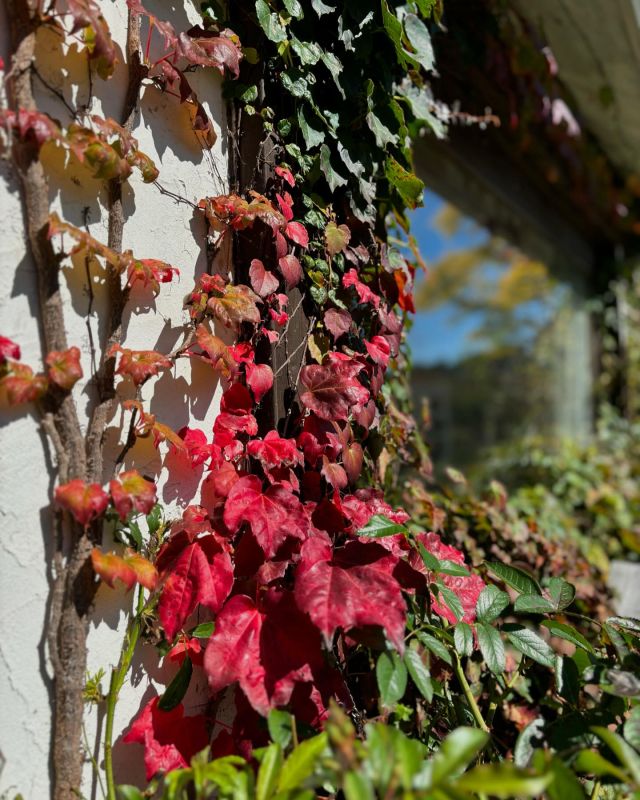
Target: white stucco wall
{"type": "Point", "coordinates": [156, 227]}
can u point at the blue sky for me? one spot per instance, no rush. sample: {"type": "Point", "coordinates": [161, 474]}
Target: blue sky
{"type": "Point", "coordinates": [441, 335]}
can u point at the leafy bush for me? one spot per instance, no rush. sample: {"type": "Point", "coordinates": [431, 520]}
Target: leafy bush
{"type": "Point", "coordinates": [500, 688]}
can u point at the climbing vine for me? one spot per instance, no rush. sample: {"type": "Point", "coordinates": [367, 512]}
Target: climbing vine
{"type": "Point", "coordinates": [293, 584]}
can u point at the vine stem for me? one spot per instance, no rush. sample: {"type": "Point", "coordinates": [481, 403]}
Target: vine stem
{"type": "Point", "coordinates": [473, 705]}
{"type": "Point", "coordinates": [118, 675]}
{"type": "Point", "coordinates": [595, 792]}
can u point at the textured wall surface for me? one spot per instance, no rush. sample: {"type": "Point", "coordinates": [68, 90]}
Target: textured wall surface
{"type": "Point", "coordinates": [157, 226]}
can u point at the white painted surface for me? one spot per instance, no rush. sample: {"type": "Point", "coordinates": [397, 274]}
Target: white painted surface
{"type": "Point", "coordinates": [156, 227]}
{"type": "Point", "coordinates": [624, 581]}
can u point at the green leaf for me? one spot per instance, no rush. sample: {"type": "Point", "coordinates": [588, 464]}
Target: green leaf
{"type": "Point", "coordinates": [408, 186]}
{"type": "Point", "coordinates": [530, 738]}
{"type": "Point", "coordinates": [568, 633]}
{"type": "Point", "coordinates": [567, 678]}
{"type": "Point", "coordinates": [625, 754]}
{"type": "Point", "coordinates": [533, 604]}
{"type": "Point", "coordinates": [503, 780]}
{"type": "Point", "coordinates": [177, 689]}
{"type": "Point", "coordinates": [294, 8]}
{"type": "Point", "coordinates": [379, 526]}
{"type": "Point", "coordinates": [628, 623]}
{"type": "Point", "coordinates": [420, 674]}
{"type": "Point", "coordinates": [383, 135]}
{"type": "Point", "coordinates": [334, 179]}
{"type": "Point", "coordinates": [451, 600]}
{"type": "Point", "coordinates": [296, 84]}
{"type": "Point", "coordinates": [491, 647]}
{"type": "Point", "coordinates": [420, 40]}
{"type": "Point", "coordinates": [322, 8]}
{"type": "Point", "coordinates": [203, 630]}
{"type": "Point", "coordinates": [312, 137]}
{"type": "Point", "coordinates": [280, 725]}
{"type": "Point", "coordinates": [491, 603]}
{"type": "Point", "coordinates": [357, 786]}
{"type": "Point", "coordinates": [592, 762]}
{"type": "Point", "coordinates": [126, 792]}
{"type": "Point", "coordinates": [517, 578]}
{"type": "Point", "coordinates": [270, 23]}
{"type": "Point", "coordinates": [334, 65]}
{"type": "Point", "coordinates": [617, 640]}
{"type": "Point", "coordinates": [430, 561]}
{"type": "Point", "coordinates": [632, 728]}
{"type": "Point", "coordinates": [301, 763]}
{"type": "Point", "coordinates": [269, 772]}
{"type": "Point", "coordinates": [308, 52]}
{"type": "Point", "coordinates": [154, 519]}
{"type": "Point", "coordinates": [435, 646]}
{"type": "Point", "coordinates": [451, 568]}
{"type": "Point", "coordinates": [463, 638]}
{"type": "Point", "coordinates": [456, 752]}
{"type": "Point", "coordinates": [561, 592]}
{"type": "Point", "coordinates": [565, 785]}
{"type": "Point", "coordinates": [391, 675]}
{"type": "Point", "coordinates": [531, 644]}
{"type": "Point", "coordinates": [393, 27]}
{"type": "Point", "coordinates": [621, 683]}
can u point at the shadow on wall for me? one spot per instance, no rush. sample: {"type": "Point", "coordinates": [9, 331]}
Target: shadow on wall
{"type": "Point", "coordinates": [160, 223]}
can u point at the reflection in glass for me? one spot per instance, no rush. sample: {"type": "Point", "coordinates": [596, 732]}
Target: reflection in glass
{"type": "Point", "coordinates": [500, 345]}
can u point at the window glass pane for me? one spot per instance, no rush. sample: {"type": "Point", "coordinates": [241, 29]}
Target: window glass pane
{"type": "Point", "coordinates": [501, 347]}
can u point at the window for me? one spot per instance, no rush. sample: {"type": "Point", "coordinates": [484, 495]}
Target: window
{"type": "Point", "coordinates": [501, 342]}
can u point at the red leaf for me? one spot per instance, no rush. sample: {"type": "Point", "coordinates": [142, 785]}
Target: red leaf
{"type": "Point", "coordinates": [263, 282]}
{"type": "Point", "coordinates": [352, 456]}
{"type": "Point", "coordinates": [338, 594]}
{"type": "Point", "coordinates": [379, 350]}
{"type": "Point", "coordinates": [218, 483]}
{"type": "Point", "coordinates": [8, 349]}
{"type": "Point", "coordinates": [297, 233]}
{"type": "Point", "coordinates": [64, 367]}
{"type": "Point", "coordinates": [291, 270]}
{"type": "Point", "coordinates": [274, 451]}
{"type": "Point", "coordinates": [201, 574]}
{"type": "Point", "coordinates": [237, 305]}
{"type": "Point", "coordinates": [186, 647]}
{"type": "Point", "coordinates": [170, 739]}
{"type": "Point", "coordinates": [238, 213]}
{"type": "Point", "coordinates": [146, 425]}
{"type": "Point", "coordinates": [334, 473]}
{"type": "Point", "coordinates": [150, 272]}
{"type": "Point", "coordinates": [233, 652]}
{"type": "Point", "coordinates": [139, 364]}
{"type": "Point", "coordinates": [337, 322]}
{"type": "Point", "coordinates": [31, 125]}
{"type": "Point", "coordinates": [364, 503]}
{"type": "Point", "coordinates": [219, 353]}
{"type": "Point", "coordinates": [131, 568]}
{"type": "Point", "coordinates": [286, 175]}
{"type": "Point", "coordinates": [85, 501]}
{"type": "Point", "coordinates": [259, 379]}
{"type": "Point", "coordinates": [273, 515]}
{"type": "Point", "coordinates": [286, 205]}
{"type": "Point", "coordinates": [365, 295]}
{"type": "Point", "coordinates": [198, 448]}
{"type": "Point", "coordinates": [332, 390]}
{"type": "Point", "coordinates": [130, 491]}
{"type": "Point", "coordinates": [21, 385]}
{"type": "Point", "coordinates": [210, 49]}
